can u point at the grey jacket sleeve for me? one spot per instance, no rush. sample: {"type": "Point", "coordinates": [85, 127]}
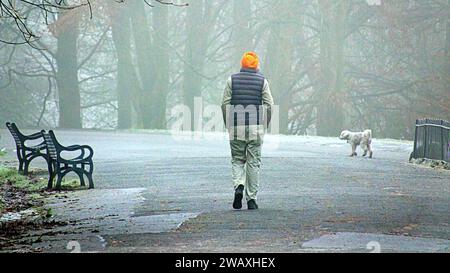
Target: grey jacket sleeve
{"type": "Point", "coordinates": [267, 101]}
{"type": "Point", "coordinates": [226, 101]}
{"type": "Point", "coordinates": [267, 94]}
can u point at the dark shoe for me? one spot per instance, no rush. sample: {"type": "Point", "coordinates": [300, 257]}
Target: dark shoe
{"type": "Point", "coordinates": [252, 205]}
{"type": "Point", "coordinates": [238, 194]}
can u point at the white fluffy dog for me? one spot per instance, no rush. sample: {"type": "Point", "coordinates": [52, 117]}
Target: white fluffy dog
{"type": "Point", "coordinates": [359, 138]}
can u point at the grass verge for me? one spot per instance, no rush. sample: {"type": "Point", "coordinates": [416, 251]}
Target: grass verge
{"type": "Point", "coordinates": [20, 194]}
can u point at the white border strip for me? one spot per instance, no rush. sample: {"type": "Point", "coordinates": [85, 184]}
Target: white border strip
{"type": "Point", "coordinates": [433, 125]}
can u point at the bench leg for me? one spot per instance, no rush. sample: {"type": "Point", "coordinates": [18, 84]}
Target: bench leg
{"type": "Point", "coordinates": [50, 181]}
{"type": "Point", "coordinates": [59, 174]}
{"type": "Point", "coordinates": [19, 157]}
{"type": "Point", "coordinates": [20, 166]}
{"type": "Point", "coordinates": [26, 166]}
{"type": "Point", "coordinates": [91, 182]}
{"type": "Point", "coordinates": [82, 173]}
{"type": "Point", "coordinates": [89, 175]}
{"type": "Point", "coordinates": [51, 176]}
{"type": "Point", "coordinates": [58, 181]}
{"type": "Point", "coordinates": [81, 176]}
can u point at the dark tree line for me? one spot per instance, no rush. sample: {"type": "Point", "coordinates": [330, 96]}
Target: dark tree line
{"type": "Point", "coordinates": [125, 64]}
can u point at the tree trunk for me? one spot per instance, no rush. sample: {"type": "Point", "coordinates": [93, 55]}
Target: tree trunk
{"type": "Point", "coordinates": [161, 57]}
{"type": "Point", "coordinates": [447, 47]}
{"type": "Point", "coordinates": [278, 63]}
{"type": "Point", "coordinates": [330, 111]}
{"type": "Point", "coordinates": [197, 28]}
{"type": "Point", "coordinates": [144, 59]}
{"type": "Point", "coordinates": [126, 77]}
{"type": "Point", "coordinates": [67, 74]}
{"type": "Point", "coordinates": [447, 61]}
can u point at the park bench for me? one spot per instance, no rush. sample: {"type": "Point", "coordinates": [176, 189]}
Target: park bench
{"type": "Point", "coordinates": [25, 153]}
{"type": "Point", "coordinates": [60, 165]}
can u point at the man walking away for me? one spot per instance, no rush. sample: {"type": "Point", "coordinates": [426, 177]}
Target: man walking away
{"type": "Point", "coordinates": [246, 108]}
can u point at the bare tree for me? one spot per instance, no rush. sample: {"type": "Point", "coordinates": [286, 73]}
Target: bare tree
{"type": "Point", "coordinates": [15, 14]}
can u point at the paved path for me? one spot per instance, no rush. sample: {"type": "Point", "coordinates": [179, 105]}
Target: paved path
{"type": "Point", "coordinates": [162, 193]}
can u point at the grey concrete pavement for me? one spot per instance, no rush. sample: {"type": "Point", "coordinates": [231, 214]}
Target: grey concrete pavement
{"type": "Point", "coordinates": [309, 188]}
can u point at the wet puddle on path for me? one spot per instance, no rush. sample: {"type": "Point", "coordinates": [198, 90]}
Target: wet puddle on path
{"type": "Point", "coordinates": [102, 212]}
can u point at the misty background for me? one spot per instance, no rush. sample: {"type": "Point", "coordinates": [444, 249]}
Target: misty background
{"type": "Point", "coordinates": [332, 65]}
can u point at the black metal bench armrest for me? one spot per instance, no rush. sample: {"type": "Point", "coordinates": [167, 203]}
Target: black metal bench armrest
{"type": "Point", "coordinates": [33, 136]}
{"type": "Point", "coordinates": [91, 151]}
{"type": "Point", "coordinates": [40, 146]}
{"type": "Point", "coordinates": [72, 146]}
{"type": "Point", "coordinates": [74, 161]}
{"type": "Point", "coordinates": [81, 148]}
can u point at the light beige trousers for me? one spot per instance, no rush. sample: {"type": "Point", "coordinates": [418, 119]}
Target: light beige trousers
{"type": "Point", "coordinates": [246, 162]}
